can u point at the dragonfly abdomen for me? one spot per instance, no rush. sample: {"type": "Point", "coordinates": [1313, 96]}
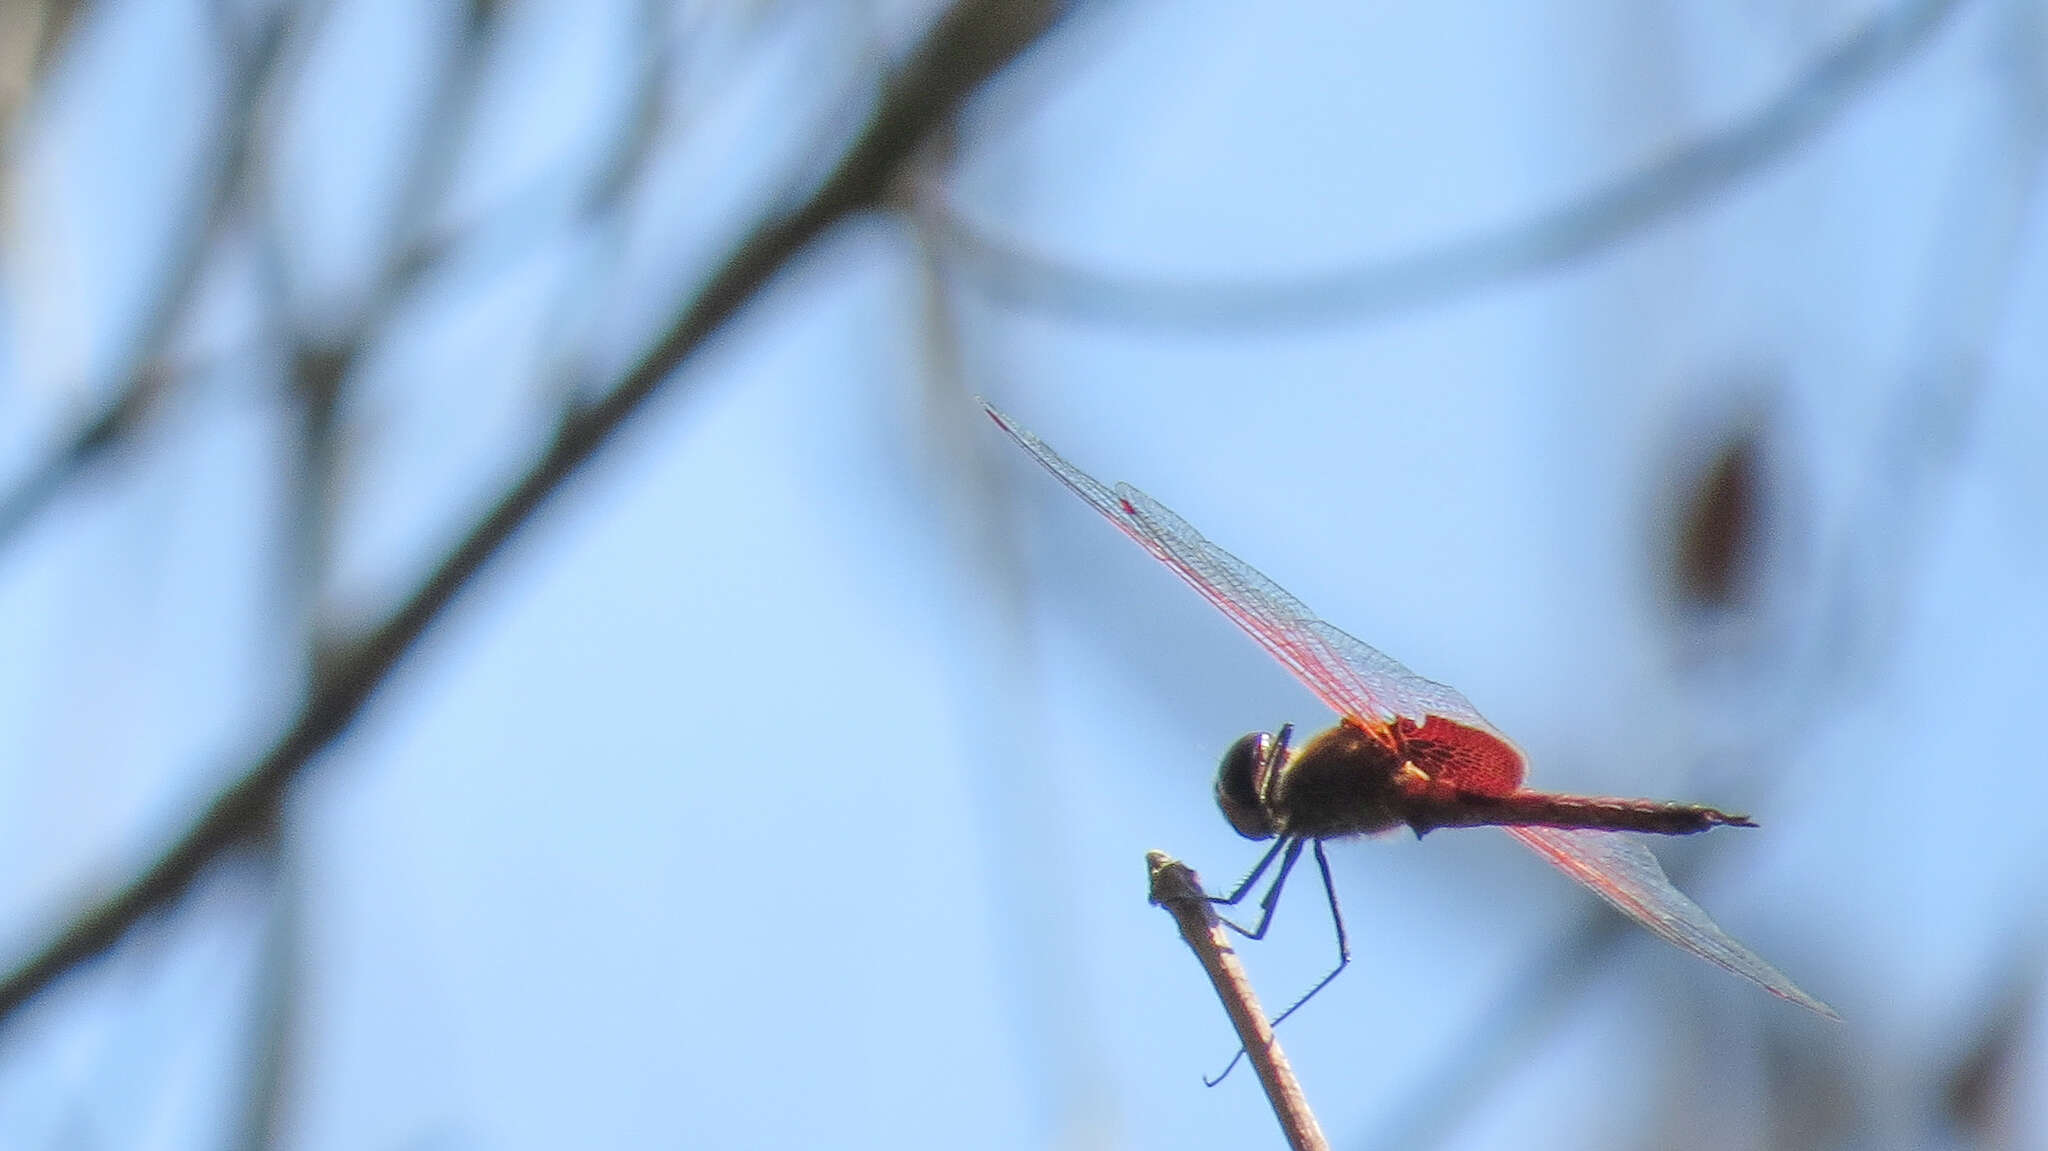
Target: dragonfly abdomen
{"type": "Point", "coordinates": [1544, 809]}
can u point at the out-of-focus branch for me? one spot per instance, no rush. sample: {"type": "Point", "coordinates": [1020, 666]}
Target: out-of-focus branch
{"type": "Point", "coordinates": [1977, 1099]}
{"type": "Point", "coordinates": [1497, 1041]}
{"type": "Point", "coordinates": [115, 422]}
{"type": "Point", "coordinates": [30, 33]}
{"type": "Point", "coordinates": [1035, 281]}
{"type": "Point", "coordinates": [410, 253]}
{"type": "Point", "coordinates": [967, 45]}
{"type": "Point", "coordinates": [1016, 796]}
{"type": "Point", "coordinates": [313, 390]}
{"type": "Point", "coordinates": [220, 175]}
{"type": "Point", "coordinates": [226, 173]}
{"type": "Point", "coordinates": [278, 985]}
{"type": "Point", "coordinates": [632, 147]}
{"type": "Point", "coordinates": [58, 17]}
{"type": "Point", "coordinates": [599, 210]}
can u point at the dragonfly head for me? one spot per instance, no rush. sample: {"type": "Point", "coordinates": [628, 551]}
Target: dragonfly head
{"type": "Point", "coordinates": [1243, 778]}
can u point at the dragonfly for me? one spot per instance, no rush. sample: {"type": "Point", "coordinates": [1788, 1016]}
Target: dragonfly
{"type": "Point", "coordinates": [1404, 751]}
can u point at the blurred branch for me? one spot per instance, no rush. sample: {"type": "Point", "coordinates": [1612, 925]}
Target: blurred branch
{"type": "Point", "coordinates": [1979, 1093]}
{"type": "Point", "coordinates": [31, 32]}
{"type": "Point", "coordinates": [58, 17]}
{"type": "Point", "coordinates": [317, 373]}
{"type": "Point", "coordinates": [277, 990]}
{"type": "Point", "coordinates": [220, 175]}
{"type": "Point", "coordinates": [598, 209]}
{"type": "Point", "coordinates": [1500, 1036]}
{"type": "Point", "coordinates": [1176, 889]}
{"type": "Point", "coordinates": [319, 368]}
{"type": "Point", "coordinates": [112, 426]}
{"type": "Point", "coordinates": [410, 252]}
{"type": "Point", "coordinates": [632, 148]}
{"type": "Point", "coordinates": [1034, 281]}
{"type": "Point", "coordinates": [313, 387]}
{"type": "Point", "coordinates": [1030, 878]}
{"type": "Point", "coordinates": [226, 173]}
{"type": "Point", "coordinates": [968, 44]}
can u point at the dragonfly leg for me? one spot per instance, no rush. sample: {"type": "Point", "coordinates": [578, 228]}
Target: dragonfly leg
{"type": "Point", "coordinates": [1343, 958]}
{"type": "Point", "coordinates": [1272, 899]}
{"type": "Point", "coordinates": [1237, 893]}
{"type": "Point", "coordinates": [1343, 943]}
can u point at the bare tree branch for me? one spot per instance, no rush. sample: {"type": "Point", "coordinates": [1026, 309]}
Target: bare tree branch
{"type": "Point", "coordinates": [968, 44]}
{"type": "Point", "coordinates": [1034, 281]}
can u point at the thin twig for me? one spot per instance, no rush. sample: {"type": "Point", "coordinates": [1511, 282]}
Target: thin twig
{"type": "Point", "coordinates": [1176, 888]}
{"type": "Point", "coordinates": [967, 45]}
{"type": "Point", "coordinates": [1034, 281]}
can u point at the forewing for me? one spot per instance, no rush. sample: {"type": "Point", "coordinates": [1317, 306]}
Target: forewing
{"type": "Point", "coordinates": [1348, 674]}
{"type": "Point", "coordinates": [1622, 871]}
{"type": "Point", "coordinates": [1354, 678]}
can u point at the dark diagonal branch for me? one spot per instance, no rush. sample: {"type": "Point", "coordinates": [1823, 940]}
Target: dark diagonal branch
{"type": "Point", "coordinates": [1176, 889]}
{"type": "Point", "coordinates": [966, 46]}
{"type": "Point", "coordinates": [1034, 281]}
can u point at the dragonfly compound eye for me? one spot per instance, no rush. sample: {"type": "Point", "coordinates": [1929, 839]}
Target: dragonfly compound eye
{"type": "Point", "coordinates": [1241, 780]}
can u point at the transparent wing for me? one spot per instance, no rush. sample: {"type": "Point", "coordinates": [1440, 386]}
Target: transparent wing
{"type": "Point", "coordinates": [1354, 678]}
{"type": "Point", "coordinates": [1348, 674]}
{"type": "Point", "coordinates": [1623, 872]}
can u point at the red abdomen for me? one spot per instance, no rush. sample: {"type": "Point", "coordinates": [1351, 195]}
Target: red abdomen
{"type": "Point", "coordinates": [1544, 809]}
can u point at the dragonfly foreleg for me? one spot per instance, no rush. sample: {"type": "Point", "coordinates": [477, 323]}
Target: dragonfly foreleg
{"type": "Point", "coordinates": [1272, 899]}
{"type": "Point", "coordinates": [1237, 893]}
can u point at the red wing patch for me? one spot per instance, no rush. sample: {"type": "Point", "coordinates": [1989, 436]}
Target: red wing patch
{"type": "Point", "coordinates": [1468, 758]}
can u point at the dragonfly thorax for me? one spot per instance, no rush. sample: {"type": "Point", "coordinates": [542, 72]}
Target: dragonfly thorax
{"type": "Point", "coordinates": [1339, 783]}
{"type": "Point", "coordinates": [1343, 781]}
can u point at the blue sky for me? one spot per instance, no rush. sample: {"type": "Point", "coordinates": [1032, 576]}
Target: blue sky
{"type": "Point", "coordinates": [787, 782]}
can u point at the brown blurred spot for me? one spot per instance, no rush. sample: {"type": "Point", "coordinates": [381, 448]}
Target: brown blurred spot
{"type": "Point", "coordinates": [1978, 1096]}
{"type": "Point", "coordinates": [1719, 527]}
